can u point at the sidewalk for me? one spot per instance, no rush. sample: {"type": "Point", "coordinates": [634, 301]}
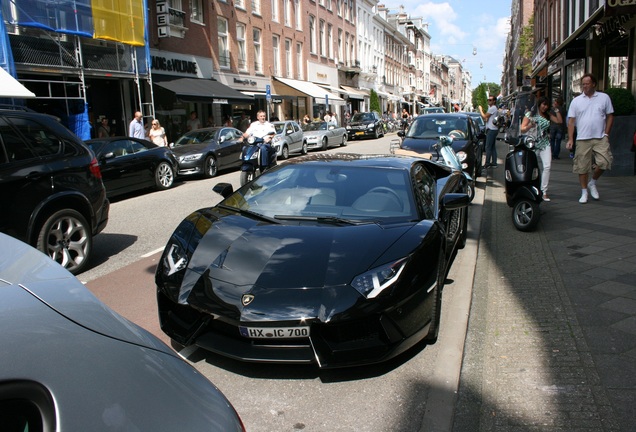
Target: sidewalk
{"type": "Point", "coordinates": [551, 343]}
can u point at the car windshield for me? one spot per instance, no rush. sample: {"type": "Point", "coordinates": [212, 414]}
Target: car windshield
{"type": "Point", "coordinates": [195, 137]}
{"type": "Point", "coordinates": [433, 126]}
{"type": "Point", "coordinates": [315, 126]}
{"type": "Point", "coordinates": [279, 127]}
{"type": "Point", "coordinates": [325, 193]}
{"type": "Point", "coordinates": [362, 117]}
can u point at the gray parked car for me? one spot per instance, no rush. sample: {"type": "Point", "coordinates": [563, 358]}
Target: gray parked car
{"type": "Point", "coordinates": [289, 139]}
{"type": "Point", "coordinates": [71, 363]}
{"type": "Point", "coordinates": [322, 135]}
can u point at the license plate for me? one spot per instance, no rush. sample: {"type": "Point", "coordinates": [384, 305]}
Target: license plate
{"type": "Point", "coordinates": [274, 332]}
{"type": "Point", "coordinates": [359, 133]}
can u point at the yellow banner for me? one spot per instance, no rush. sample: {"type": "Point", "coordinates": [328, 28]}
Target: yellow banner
{"type": "Point", "coordinates": [119, 20]}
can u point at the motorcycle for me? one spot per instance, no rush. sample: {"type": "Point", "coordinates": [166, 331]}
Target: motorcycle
{"type": "Point", "coordinates": [445, 155]}
{"type": "Point", "coordinates": [523, 182]}
{"type": "Point", "coordinates": [254, 161]}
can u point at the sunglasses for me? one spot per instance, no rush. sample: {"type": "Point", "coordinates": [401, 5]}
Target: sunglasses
{"type": "Point", "coordinates": [491, 100]}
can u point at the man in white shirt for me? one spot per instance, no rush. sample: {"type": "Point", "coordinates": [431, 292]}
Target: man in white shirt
{"type": "Point", "coordinates": [261, 128]}
{"type": "Point", "coordinates": [592, 114]}
{"type": "Point", "coordinates": [136, 127]}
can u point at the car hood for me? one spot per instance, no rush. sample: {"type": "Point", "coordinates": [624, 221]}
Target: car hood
{"type": "Point", "coordinates": [189, 148]}
{"type": "Point", "coordinates": [22, 265]}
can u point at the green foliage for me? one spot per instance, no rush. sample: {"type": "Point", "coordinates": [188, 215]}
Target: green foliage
{"type": "Point", "coordinates": [374, 101]}
{"type": "Point", "coordinates": [622, 100]}
{"type": "Point", "coordinates": [481, 92]}
{"type": "Point", "coordinates": [526, 46]}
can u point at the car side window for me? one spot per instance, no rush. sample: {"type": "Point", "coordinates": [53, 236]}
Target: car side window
{"type": "Point", "coordinates": [42, 140]}
{"type": "Point", "coordinates": [424, 188]}
{"type": "Point", "coordinates": [14, 149]}
{"type": "Point", "coordinates": [296, 127]}
{"type": "Point", "coordinates": [118, 148]}
{"type": "Point", "coordinates": [136, 147]}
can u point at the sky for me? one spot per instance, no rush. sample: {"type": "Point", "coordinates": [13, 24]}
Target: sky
{"type": "Point", "coordinates": [459, 26]}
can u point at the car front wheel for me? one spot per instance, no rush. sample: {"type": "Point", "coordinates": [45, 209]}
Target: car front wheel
{"type": "Point", "coordinates": [211, 168]}
{"type": "Point", "coordinates": [164, 176]}
{"type": "Point", "coordinates": [303, 149]}
{"type": "Point", "coordinates": [66, 237]}
{"type": "Point", "coordinates": [285, 152]}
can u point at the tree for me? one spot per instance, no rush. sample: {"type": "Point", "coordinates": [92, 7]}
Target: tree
{"type": "Point", "coordinates": [526, 46]}
{"type": "Point", "coordinates": [374, 101]}
{"type": "Point", "coordinates": [481, 93]}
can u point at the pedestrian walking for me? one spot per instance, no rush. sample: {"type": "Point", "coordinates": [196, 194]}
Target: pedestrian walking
{"type": "Point", "coordinates": [592, 114]}
{"type": "Point", "coordinates": [492, 131]}
{"type": "Point", "coordinates": [136, 127]}
{"type": "Point", "coordinates": [541, 118]}
{"type": "Point", "coordinates": [557, 129]}
{"type": "Point", "coordinates": [157, 134]}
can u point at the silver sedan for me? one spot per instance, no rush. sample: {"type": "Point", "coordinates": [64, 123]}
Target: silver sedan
{"type": "Point", "coordinates": [322, 135]}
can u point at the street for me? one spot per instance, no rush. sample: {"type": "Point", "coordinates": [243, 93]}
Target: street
{"type": "Point", "coordinates": [414, 392]}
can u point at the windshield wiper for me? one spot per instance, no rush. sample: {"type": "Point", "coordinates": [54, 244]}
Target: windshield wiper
{"type": "Point", "coordinates": [249, 213]}
{"type": "Point", "coordinates": [324, 219]}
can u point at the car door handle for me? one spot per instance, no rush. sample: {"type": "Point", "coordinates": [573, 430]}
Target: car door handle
{"type": "Point", "coordinates": [33, 175]}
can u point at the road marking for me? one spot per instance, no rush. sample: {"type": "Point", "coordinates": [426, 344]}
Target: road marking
{"type": "Point", "coordinates": [151, 253]}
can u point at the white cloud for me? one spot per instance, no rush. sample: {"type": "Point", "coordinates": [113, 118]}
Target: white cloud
{"type": "Point", "coordinates": [443, 17]}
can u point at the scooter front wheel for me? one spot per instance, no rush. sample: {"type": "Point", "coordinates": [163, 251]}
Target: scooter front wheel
{"type": "Point", "coordinates": [525, 215]}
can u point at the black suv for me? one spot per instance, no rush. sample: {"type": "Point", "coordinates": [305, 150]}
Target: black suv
{"type": "Point", "coordinates": [51, 190]}
{"type": "Point", "coordinates": [365, 124]}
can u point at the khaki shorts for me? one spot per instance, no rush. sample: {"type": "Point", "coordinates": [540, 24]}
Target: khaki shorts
{"type": "Point", "coordinates": [590, 151]}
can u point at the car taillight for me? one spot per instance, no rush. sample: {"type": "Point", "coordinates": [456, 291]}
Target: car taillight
{"type": "Point", "coordinates": [94, 168]}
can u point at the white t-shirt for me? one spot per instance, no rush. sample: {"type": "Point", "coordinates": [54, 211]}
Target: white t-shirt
{"type": "Point", "coordinates": [590, 115]}
{"type": "Point", "coordinates": [259, 130]}
{"type": "Point", "coordinates": [492, 110]}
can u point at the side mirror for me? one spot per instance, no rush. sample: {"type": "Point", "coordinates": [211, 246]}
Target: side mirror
{"type": "Point", "coordinates": [223, 189]}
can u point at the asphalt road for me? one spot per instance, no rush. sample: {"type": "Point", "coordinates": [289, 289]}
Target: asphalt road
{"type": "Point", "coordinates": [415, 392]}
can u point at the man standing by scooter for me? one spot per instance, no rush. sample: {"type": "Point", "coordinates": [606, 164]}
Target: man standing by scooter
{"type": "Point", "coordinates": [261, 128]}
{"type": "Point", "coordinates": [492, 131]}
{"type": "Point", "coordinates": [592, 114]}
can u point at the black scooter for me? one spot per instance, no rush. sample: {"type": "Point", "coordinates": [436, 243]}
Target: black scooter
{"type": "Point", "coordinates": [253, 157]}
{"type": "Point", "coordinates": [523, 183]}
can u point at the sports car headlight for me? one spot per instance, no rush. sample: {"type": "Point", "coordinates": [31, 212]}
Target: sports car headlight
{"type": "Point", "coordinates": [371, 283]}
{"type": "Point", "coordinates": [191, 157]}
{"type": "Point", "coordinates": [174, 260]}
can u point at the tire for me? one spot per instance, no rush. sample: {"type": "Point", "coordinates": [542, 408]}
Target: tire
{"type": "Point", "coordinates": [66, 237]}
{"type": "Point", "coordinates": [210, 168]}
{"type": "Point", "coordinates": [376, 134]}
{"type": "Point", "coordinates": [525, 215]}
{"type": "Point", "coordinates": [247, 176]}
{"type": "Point", "coordinates": [344, 140]}
{"type": "Point", "coordinates": [436, 313]}
{"type": "Point", "coordinates": [470, 190]}
{"type": "Point", "coordinates": [164, 176]}
{"type": "Point", "coordinates": [284, 153]}
{"type": "Point", "coordinates": [325, 143]}
{"type": "Point", "coordinates": [303, 149]}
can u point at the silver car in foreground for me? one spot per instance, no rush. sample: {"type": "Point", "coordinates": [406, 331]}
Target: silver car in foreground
{"type": "Point", "coordinates": [322, 135]}
{"type": "Point", "coordinates": [71, 363]}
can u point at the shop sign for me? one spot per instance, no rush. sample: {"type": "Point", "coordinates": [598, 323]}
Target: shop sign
{"type": "Point", "coordinates": [220, 101]}
{"type": "Point", "coordinates": [540, 55]}
{"type": "Point", "coordinates": [277, 100]}
{"type": "Point", "coordinates": [244, 81]}
{"type": "Point", "coordinates": [620, 7]}
{"type": "Point", "coordinates": [161, 63]}
{"type": "Point", "coordinates": [613, 28]}
{"type": "Point", "coordinates": [556, 65]}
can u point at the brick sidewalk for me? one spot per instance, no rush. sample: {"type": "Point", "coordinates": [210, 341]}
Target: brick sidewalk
{"type": "Point", "coordinates": [551, 342]}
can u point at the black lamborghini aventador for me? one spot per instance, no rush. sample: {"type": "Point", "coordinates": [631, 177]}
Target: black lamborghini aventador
{"type": "Point", "coordinates": [329, 259]}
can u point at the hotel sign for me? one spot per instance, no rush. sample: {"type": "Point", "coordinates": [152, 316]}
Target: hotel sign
{"type": "Point", "coordinates": [163, 21]}
{"type": "Point", "coordinates": [620, 7]}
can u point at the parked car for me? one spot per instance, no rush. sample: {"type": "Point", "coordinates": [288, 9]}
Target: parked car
{"type": "Point", "coordinates": [329, 259]}
{"type": "Point", "coordinates": [51, 188]}
{"type": "Point", "coordinates": [322, 135]}
{"type": "Point", "coordinates": [289, 139]}
{"type": "Point", "coordinates": [206, 151]}
{"type": "Point", "coordinates": [365, 124]}
{"type": "Point", "coordinates": [479, 121]}
{"type": "Point", "coordinates": [426, 129]}
{"type": "Point", "coordinates": [74, 364]}
{"type": "Point", "coordinates": [130, 164]}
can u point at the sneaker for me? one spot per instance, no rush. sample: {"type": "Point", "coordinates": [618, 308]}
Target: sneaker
{"type": "Point", "coordinates": [546, 198]}
{"type": "Point", "coordinates": [593, 190]}
{"type": "Point", "coordinates": [583, 198]}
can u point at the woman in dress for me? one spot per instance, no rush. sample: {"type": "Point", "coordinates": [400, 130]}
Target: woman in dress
{"type": "Point", "coordinates": [541, 119]}
{"type": "Point", "coordinates": [157, 134]}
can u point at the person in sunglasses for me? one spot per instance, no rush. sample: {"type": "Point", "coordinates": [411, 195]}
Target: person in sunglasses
{"type": "Point", "coordinates": [491, 132]}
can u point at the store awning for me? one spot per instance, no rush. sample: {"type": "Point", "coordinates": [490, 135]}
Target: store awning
{"type": "Point", "coordinates": [11, 87]}
{"type": "Point", "coordinates": [203, 90]}
{"type": "Point", "coordinates": [313, 90]}
{"type": "Point", "coordinates": [354, 93]}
